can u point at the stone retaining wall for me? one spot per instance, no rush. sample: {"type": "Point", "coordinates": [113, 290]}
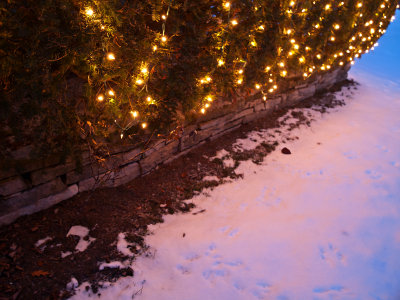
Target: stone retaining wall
{"type": "Point", "coordinates": [38, 185]}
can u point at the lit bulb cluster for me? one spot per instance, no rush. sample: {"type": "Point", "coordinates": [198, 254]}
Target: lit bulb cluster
{"type": "Point", "coordinates": [314, 37]}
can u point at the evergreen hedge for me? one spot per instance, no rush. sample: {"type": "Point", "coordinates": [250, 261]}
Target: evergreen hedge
{"type": "Point", "coordinates": [95, 73]}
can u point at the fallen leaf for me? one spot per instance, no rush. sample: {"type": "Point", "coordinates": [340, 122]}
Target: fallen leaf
{"type": "Point", "coordinates": [39, 273]}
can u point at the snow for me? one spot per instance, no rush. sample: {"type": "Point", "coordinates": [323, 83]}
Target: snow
{"type": "Point", "coordinates": [321, 223]}
{"type": "Point", "coordinates": [224, 155]}
{"type": "Point", "coordinates": [123, 245]}
{"type": "Point", "coordinates": [43, 241]}
{"type": "Point", "coordinates": [210, 178]}
{"type": "Point", "coordinates": [112, 265]}
{"type": "Point", "coordinates": [73, 284]}
{"type": "Point", "coordinates": [65, 254]}
{"type": "Point", "coordinates": [84, 239]}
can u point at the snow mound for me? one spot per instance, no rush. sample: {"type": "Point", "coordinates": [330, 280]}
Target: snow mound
{"type": "Point", "coordinates": [210, 178]}
{"type": "Point", "coordinates": [84, 239]}
{"type": "Point", "coordinates": [123, 245]}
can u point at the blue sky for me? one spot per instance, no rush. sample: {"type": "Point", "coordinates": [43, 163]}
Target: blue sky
{"type": "Point", "coordinates": [385, 60]}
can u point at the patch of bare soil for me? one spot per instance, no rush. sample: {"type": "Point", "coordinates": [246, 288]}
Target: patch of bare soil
{"type": "Point", "coordinates": [39, 272]}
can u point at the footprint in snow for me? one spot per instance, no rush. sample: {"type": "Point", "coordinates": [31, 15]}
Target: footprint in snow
{"type": "Point", "coordinates": [373, 174]}
{"type": "Point", "coordinates": [261, 290]}
{"type": "Point", "coordinates": [334, 291]}
{"type": "Point", "coordinates": [332, 255]}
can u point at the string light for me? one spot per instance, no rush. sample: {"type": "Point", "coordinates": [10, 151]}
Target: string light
{"type": "Point", "coordinates": [293, 54]}
{"type": "Point", "coordinates": [110, 56]}
{"type": "Point", "coordinates": [134, 113]}
{"type": "Point", "coordinates": [89, 12]}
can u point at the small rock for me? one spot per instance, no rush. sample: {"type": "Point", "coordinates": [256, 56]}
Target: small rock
{"type": "Point", "coordinates": [286, 151]}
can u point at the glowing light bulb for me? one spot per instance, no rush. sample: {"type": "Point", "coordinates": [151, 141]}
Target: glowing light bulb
{"type": "Point", "coordinates": [144, 70]}
{"type": "Point", "coordinates": [265, 98]}
{"type": "Point", "coordinates": [240, 71]}
{"type": "Point", "coordinates": [209, 99]}
{"type": "Point", "coordinates": [327, 7]}
{"type": "Point", "coordinates": [283, 73]}
{"type": "Point", "coordinates": [296, 47]}
{"type": "Point", "coordinates": [319, 56]}
{"type": "Point", "coordinates": [258, 86]}
{"type": "Point", "coordinates": [221, 62]}
{"type": "Point", "coordinates": [261, 27]}
{"type": "Point", "coordinates": [134, 113]}
{"type": "Point", "coordinates": [282, 64]}
{"type": "Point", "coordinates": [164, 17]}
{"type": "Point", "coordinates": [208, 79]}
{"type": "Point", "coordinates": [155, 48]}
{"type": "Point", "coordinates": [203, 110]}
{"type": "Point", "coordinates": [100, 98]}
{"type": "Point", "coordinates": [139, 81]}
{"type": "Point", "coordinates": [111, 93]}
{"type": "Point", "coordinates": [239, 81]}
{"type": "Point", "coordinates": [110, 56]}
{"type": "Point", "coordinates": [144, 125]}
{"type": "Point", "coordinates": [163, 39]}
{"type": "Point", "coordinates": [292, 3]}
{"type": "Point", "coordinates": [148, 99]}
{"type": "Point", "coordinates": [332, 38]}
{"type": "Point", "coordinates": [227, 5]}
{"type": "Point", "coordinates": [359, 4]}
{"type": "Point", "coordinates": [336, 26]}
{"type": "Point", "coordinates": [301, 59]}
{"type": "Point", "coordinates": [234, 22]}
{"type": "Point", "coordinates": [89, 12]}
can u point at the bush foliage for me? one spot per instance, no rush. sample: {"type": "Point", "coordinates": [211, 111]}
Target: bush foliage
{"type": "Point", "coordinates": [61, 88]}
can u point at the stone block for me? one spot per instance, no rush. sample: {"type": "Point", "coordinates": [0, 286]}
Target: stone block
{"type": "Point", "coordinates": [255, 116]}
{"type": "Point", "coordinates": [307, 91]}
{"type": "Point", "coordinates": [127, 173]}
{"type": "Point", "coordinates": [101, 180]}
{"type": "Point", "coordinates": [132, 155]}
{"type": "Point", "coordinates": [196, 137]}
{"type": "Point", "coordinates": [12, 186]}
{"type": "Point", "coordinates": [259, 107]}
{"type": "Point", "coordinates": [244, 113]}
{"type": "Point", "coordinates": [47, 174]}
{"type": "Point", "coordinates": [217, 122]}
{"type": "Point", "coordinates": [293, 97]}
{"type": "Point", "coordinates": [9, 216]}
{"type": "Point", "coordinates": [28, 197]}
{"type": "Point", "coordinates": [217, 135]}
{"type": "Point", "coordinates": [87, 172]}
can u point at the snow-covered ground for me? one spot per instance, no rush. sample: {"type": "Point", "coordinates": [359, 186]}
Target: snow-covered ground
{"type": "Point", "coordinates": [321, 223]}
